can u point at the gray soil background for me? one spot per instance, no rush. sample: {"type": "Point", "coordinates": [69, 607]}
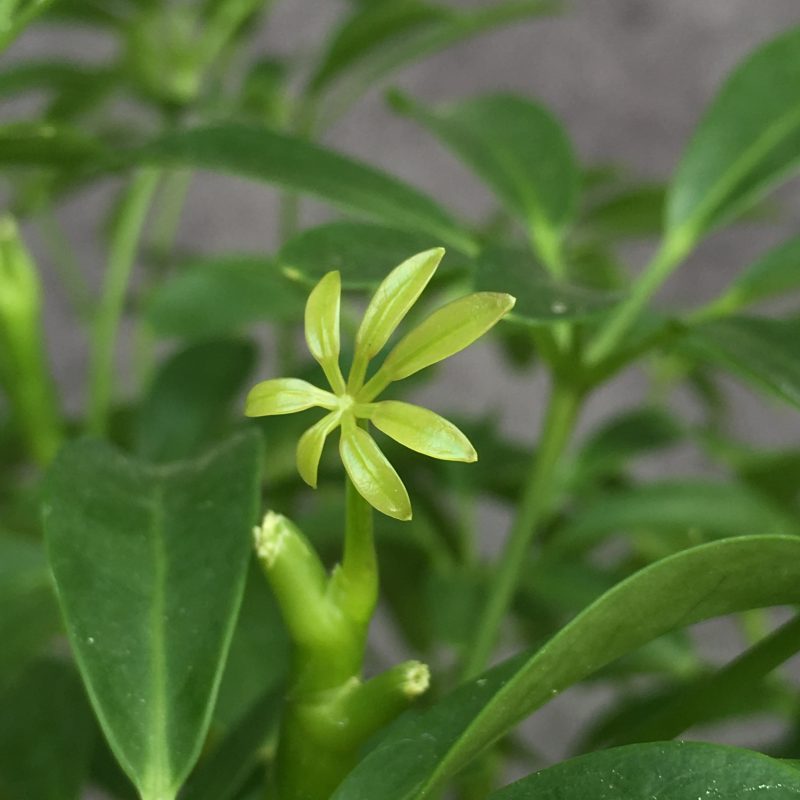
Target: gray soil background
{"type": "Point", "coordinates": [628, 78]}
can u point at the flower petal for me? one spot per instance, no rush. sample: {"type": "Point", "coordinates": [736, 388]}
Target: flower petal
{"type": "Point", "coordinates": [444, 333]}
{"type": "Point", "coordinates": [393, 299]}
{"type": "Point", "coordinates": [285, 396]}
{"type": "Point", "coordinates": [371, 473]}
{"type": "Point", "coordinates": [322, 327]}
{"type": "Point", "coordinates": [309, 448]}
{"type": "Point", "coordinates": [422, 430]}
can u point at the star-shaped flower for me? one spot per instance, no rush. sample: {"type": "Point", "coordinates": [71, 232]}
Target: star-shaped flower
{"type": "Point", "coordinates": [351, 404]}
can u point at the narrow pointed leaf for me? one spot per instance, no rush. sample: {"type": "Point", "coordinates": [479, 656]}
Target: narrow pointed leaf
{"type": "Point", "coordinates": [255, 152]}
{"type": "Point", "coordinates": [323, 328]}
{"type": "Point", "coordinates": [393, 299]}
{"type": "Point", "coordinates": [421, 430]}
{"type": "Point", "coordinates": [667, 771]}
{"type": "Point", "coordinates": [372, 474]}
{"type": "Point", "coordinates": [748, 141]}
{"type": "Point", "coordinates": [149, 564]}
{"type": "Point", "coordinates": [309, 448]}
{"type": "Point", "coordinates": [447, 331]}
{"type": "Point", "coordinates": [764, 352]}
{"type": "Point", "coordinates": [519, 149]}
{"type": "Point", "coordinates": [24, 16]}
{"type": "Point", "coordinates": [46, 734]}
{"type": "Point", "coordinates": [773, 275]}
{"type": "Point", "coordinates": [286, 396]}
{"type": "Point", "coordinates": [422, 751]}
{"type": "Point", "coordinates": [363, 253]}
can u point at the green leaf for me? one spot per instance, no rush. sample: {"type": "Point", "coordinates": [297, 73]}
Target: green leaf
{"type": "Point", "coordinates": [260, 154]}
{"type": "Point", "coordinates": [364, 254]}
{"type": "Point", "coordinates": [373, 476]}
{"type": "Point", "coordinates": [422, 751]}
{"type": "Point", "coordinates": [149, 564]}
{"type": "Point", "coordinates": [447, 331]}
{"type": "Point", "coordinates": [521, 151]}
{"type": "Point", "coordinates": [286, 396]}
{"type": "Point", "coordinates": [310, 445]}
{"type": "Point", "coordinates": [223, 294]}
{"type": "Point", "coordinates": [747, 142]}
{"type": "Point", "coordinates": [393, 299]}
{"type": "Point", "coordinates": [540, 299]}
{"type": "Point", "coordinates": [323, 334]}
{"type": "Point", "coordinates": [721, 509]}
{"type": "Point", "coordinates": [423, 431]}
{"type": "Point", "coordinates": [25, 13]}
{"type": "Point", "coordinates": [31, 617]}
{"type": "Point", "coordinates": [368, 29]}
{"type": "Point", "coordinates": [633, 213]}
{"type": "Point", "coordinates": [189, 402]}
{"type": "Point", "coordinates": [762, 351]}
{"type": "Point", "coordinates": [667, 770]}
{"type": "Point", "coordinates": [46, 733]}
{"type": "Point", "coordinates": [29, 144]}
{"type": "Point", "coordinates": [226, 769]}
{"type": "Point", "coordinates": [773, 275]}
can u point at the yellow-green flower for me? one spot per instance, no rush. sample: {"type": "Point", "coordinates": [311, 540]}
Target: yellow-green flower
{"type": "Point", "coordinates": [351, 404]}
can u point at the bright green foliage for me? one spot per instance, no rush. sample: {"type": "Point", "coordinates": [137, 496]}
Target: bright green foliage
{"type": "Point", "coordinates": [150, 630]}
{"type": "Point", "coordinates": [444, 333]}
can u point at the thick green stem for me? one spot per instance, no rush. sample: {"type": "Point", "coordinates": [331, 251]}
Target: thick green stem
{"type": "Point", "coordinates": [672, 252]}
{"type": "Point", "coordinates": [124, 246]}
{"type": "Point", "coordinates": [535, 505]}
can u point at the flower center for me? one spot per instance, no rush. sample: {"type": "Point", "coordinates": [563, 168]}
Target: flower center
{"type": "Point", "coordinates": [346, 402]}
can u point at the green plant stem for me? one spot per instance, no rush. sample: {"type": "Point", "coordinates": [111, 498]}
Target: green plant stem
{"type": "Point", "coordinates": [669, 256]}
{"type": "Point", "coordinates": [124, 244]}
{"type": "Point", "coordinates": [559, 422]}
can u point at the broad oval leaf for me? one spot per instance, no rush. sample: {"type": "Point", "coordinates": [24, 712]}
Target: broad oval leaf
{"type": "Point", "coordinates": [422, 430]}
{"type": "Point", "coordinates": [46, 734]}
{"type": "Point", "coordinates": [371, 473]}
{"type": "Point", "coordinates": [774, 274]}
{"type": "Point", "coordinates": [286, 396]}
{"type": "Point", "coordinates": [149, 564]}
{"type": "Point", "coordinates": [540, 299]}
{"type": "Point", "coordinates": [323, 335]}
{"type": "Point", "coordinates": [666, 770]}
{"type": "Point", "coordinates": [309, 448]}
{"type": "Point", "coordinates": [393, 299]}
{"type": "Point", "coordinates": [520, 150]}
{"type": "Point", "coordinates": [445, 332]}
{"type": "Point", "coordinates": [259, 153]}
{"type": "Point", "coordinates": [421, 751]}
{"type": "Point", "coordinates": [746, 143]}
{"type": "Point", "coordinates": [222, 294]}
{"type": "Point", "coordinates": [362, 253]}
{"type": "Point", "coordinates": [762, 351]}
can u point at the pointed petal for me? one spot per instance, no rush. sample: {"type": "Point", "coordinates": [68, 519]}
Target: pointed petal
{"type": "Point", "coordinates": [393, 299]}
{"type": "Point", "coordinates": [445, 332]}
{"type": "Point", "coordinates": [322, 327]}
{"type": "Point", "coordinates": [422, 430]}
{"type": "Point", "coordinates": [285, 396]}
{"type": "Point", "coordinates": [372, 474]}
{"type": "Point", "coordinates": [309, 448]}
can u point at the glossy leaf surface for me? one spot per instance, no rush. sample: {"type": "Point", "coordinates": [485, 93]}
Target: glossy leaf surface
{"type": "Point", "coordinates": [747, 142]}
{"type": "Point", "coordinates": [261, 154]}
{"type": "Point", "coordinates": [372, 474]}
{"type": "Point", "coordinates": [309, 447]}
{"type": "Point", "coordinates": [150, 566]}
{"type": "Point", "coordinates": [762, 351]}
{"type": "Point", "coordinates": [46, 734]}
{"type": "Point", "coordinates": [323, 335]}
{"type": "Point", "coordinates": [667, 770]}
{"type": "Point", "coordinates": [223, 294]}
{"type": "Point", "coordinates": [446, 331]}
{"type": "Point", "coordinates": [422, 751]}
{"type": "Point", "coordinates": [286, 396]}
{"type": "Point", "coordinates": [363, 254]}
{"type": "Point", "coordinates": [422, 430]}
